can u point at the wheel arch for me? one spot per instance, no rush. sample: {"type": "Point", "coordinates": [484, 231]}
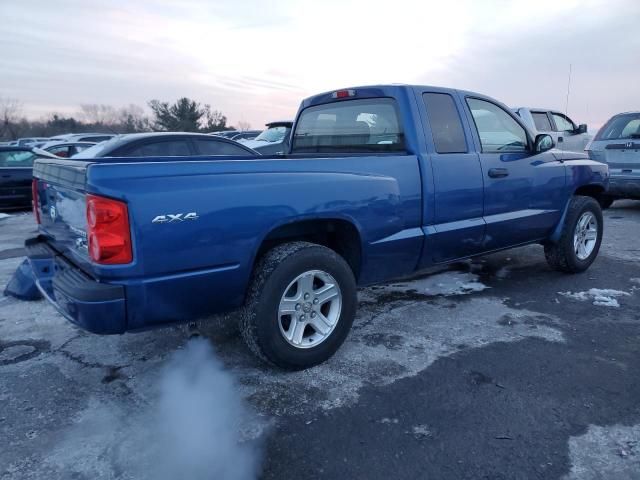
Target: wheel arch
{"type": "Point", "coordinates": [594, 191]}
{"type": "Point", "coordinates": [591, 190]}
{"type": "Point", "coordinates": [341, 235]}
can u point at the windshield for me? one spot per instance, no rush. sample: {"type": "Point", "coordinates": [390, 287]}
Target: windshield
{"type": "Point", "coordinates": [273, 134]}
{"type": "Point", "coordinates": [357, 126]}
{"type": "Point", "coordinates": [16, 159]}
{"type": "Point", "coordinates": [621, 126]}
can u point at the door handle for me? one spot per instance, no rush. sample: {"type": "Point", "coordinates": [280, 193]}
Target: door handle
{"type": "Point", "coordinates": [498, 172]}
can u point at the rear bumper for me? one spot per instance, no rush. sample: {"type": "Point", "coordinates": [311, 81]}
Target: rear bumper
{"type": "Point", "coordinates": [624, 186]}
{"type": "Point", "coordinates": [87, 303]}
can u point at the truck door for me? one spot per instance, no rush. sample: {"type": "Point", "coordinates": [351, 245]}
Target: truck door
{"type": "Point", "coordinates": [453, 221]}
{"type": "Point", "coordinates": [522, 190]}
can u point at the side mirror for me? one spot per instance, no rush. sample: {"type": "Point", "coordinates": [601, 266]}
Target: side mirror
{"type": "Point", "coordinates": [582, 128]}
{"type": "Point", "coordinates": [543, 143]}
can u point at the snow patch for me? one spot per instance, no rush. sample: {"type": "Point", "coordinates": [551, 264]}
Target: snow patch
{"type": "Point", "coordinates": [602, 297]}
{"type": "Point", "coordinates": [4, 215]}
{"type": "Point", "coordinates": [441, 284]}
{"type": "Point", "coordinates": [605, 452]}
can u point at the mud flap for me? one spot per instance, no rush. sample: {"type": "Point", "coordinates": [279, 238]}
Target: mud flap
{"type": "Point", "coordinates": [23, 284]}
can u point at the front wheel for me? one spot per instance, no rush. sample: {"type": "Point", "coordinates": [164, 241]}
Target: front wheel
{"type": "Point", "coordinates": [580, 239]}
{"type": "Point", "coordinates": [300, 305]}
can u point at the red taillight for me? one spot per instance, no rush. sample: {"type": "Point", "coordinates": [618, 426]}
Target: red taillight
{"type": "Point", "coordinates": [35, 203]}
{"type": "Point", "coordinates": [108, 231]}
{"type": "Point", "coordinates": [343, 94]}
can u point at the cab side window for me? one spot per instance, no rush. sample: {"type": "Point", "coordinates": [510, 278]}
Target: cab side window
{"type": "Point", "coordinates": [563, 124]}
{"type": "Point", "coordinates": [445, 123]}
{"type": "Point", "coordinates": [498, 131]}
{"type": "Point", "coordinates": [541, 121]}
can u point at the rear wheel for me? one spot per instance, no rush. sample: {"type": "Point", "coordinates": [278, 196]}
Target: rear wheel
{"type": "Point", "coordinates": [300, 306]}
{"type": "Point", "coordinates": [580, 239]}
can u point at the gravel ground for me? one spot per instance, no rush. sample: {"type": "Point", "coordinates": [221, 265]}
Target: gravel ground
{"type": "Point", "coordinates": [494, 368]}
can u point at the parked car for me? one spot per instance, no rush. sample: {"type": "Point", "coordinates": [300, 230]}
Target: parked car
{"type": "Point", "coordinates": [83, 137]}
{"type": "Point", "coordinates": [617, 144]}
{"type": "Point", "coordinates": [15, 177]}
{"type": "Point", "coordinates": [238, 134]}
{"type": "Point", "coordinates": [30, 141]}
{"type": "Point", "coordinates": [225, 133]}
{"type": "Point", "coordinates": [275, 139]}
{"type": "Point", "coordinates": [66, 149]}
{"type": "Point", "coordinates": [165, 144]}
{"type": "Point", "coordinates": [379, 182]}
{"type": "Point", "coordinates": [563, 130]}
{"type": "Point", "coordinates": [246, 135]}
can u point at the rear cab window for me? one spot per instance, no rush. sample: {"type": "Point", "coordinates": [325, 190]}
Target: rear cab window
{"type": "Point", "coordinates": [350, 126]}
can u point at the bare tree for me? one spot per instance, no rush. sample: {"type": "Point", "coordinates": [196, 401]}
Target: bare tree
{"type": "Point", "coordinates": [243, 126]}
{"type": "Point", "coordinates": [132, 119]}
{"type": "Point", "coordinates": [183, 115]}
{"type": "Point", "coordinates": [98, 114]}
{"type": "Point", "coordinates": [10, 112]}
{"type": "Point", "coordinates": [214, 120]}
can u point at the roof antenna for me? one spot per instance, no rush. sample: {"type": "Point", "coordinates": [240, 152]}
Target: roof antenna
{"type": "Point", "coordinates": [566, 107]}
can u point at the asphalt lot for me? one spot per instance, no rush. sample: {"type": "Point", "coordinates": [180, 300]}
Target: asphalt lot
{"type": "Point", "coordinates": [497, 368]}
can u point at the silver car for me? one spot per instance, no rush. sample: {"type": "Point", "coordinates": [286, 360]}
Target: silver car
{"type": "Point", "coordinates": [617, 144]}
{"type": "Point", "coordinates": [564, 131]}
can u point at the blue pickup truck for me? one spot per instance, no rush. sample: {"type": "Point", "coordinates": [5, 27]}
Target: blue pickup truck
{"type": "Point", "coordinates": [379, 182]}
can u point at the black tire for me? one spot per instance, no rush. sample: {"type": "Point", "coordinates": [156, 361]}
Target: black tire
{"type": "Point", "coordinates": [561, 256]}
{"type": "Point", "coordinates": [259, 320]}
{"type": "Point", "coordinates": [606, 201]}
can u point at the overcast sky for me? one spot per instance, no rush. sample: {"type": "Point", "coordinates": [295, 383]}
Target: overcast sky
{"type": "Point", "coordinates": [255, 60]}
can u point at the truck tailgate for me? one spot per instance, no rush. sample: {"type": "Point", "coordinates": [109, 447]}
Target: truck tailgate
{"type": "Point", "coordinates": [62, 206]}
